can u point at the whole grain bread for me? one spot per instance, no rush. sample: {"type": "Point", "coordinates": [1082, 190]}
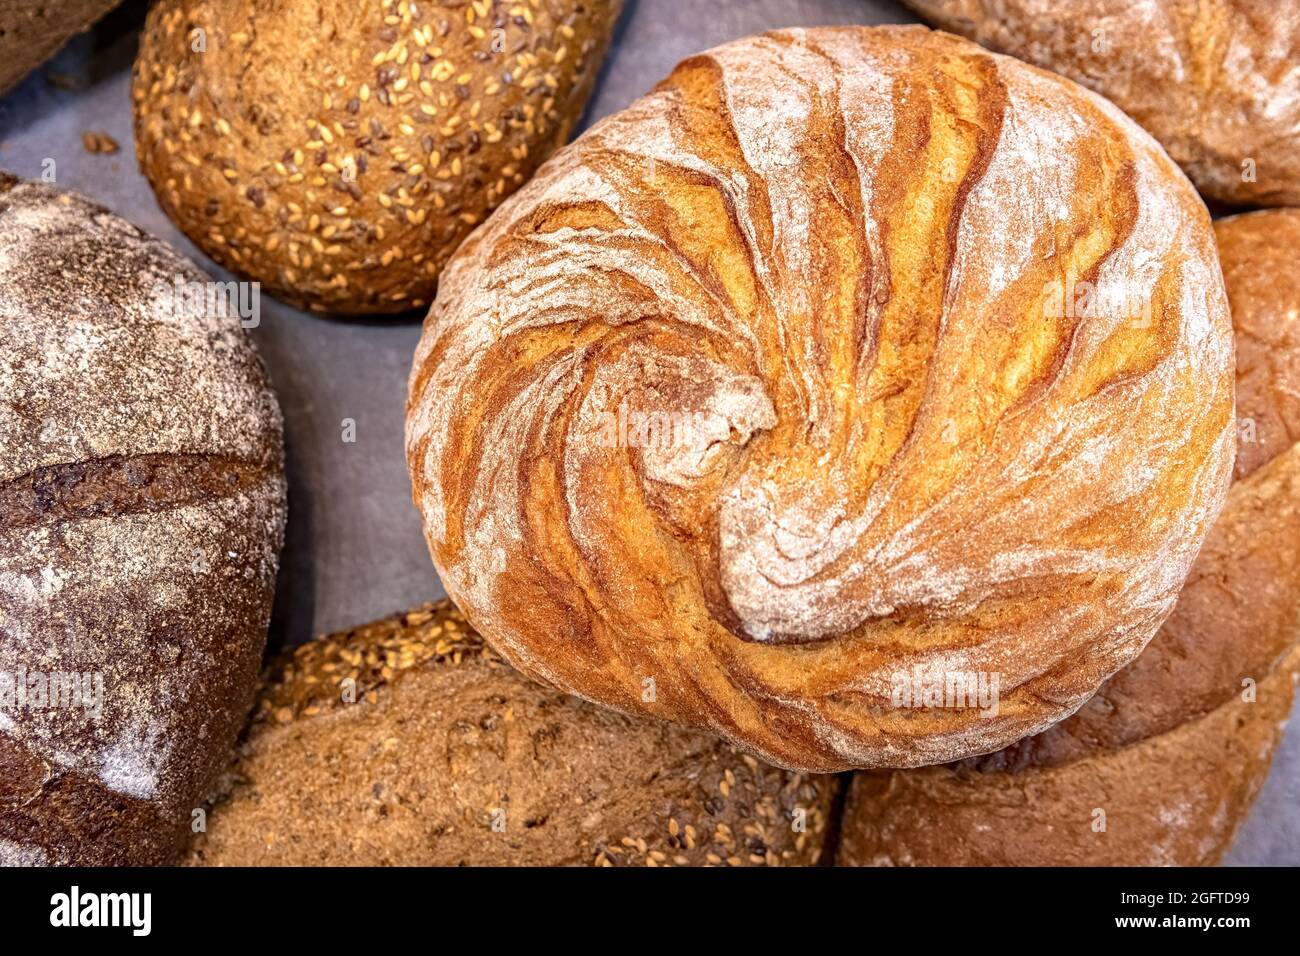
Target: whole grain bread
{"type": "Point", "coordinates": [338, 152]}
{"type": "Point", "coordinates": [1169, 746]}
{"type": "Point", "coordinates": [1215, 81]}
{"type": "Point", "coordinates": [408, 742]}
{"type": "Point", "coordinates": [31, 33]}
{"type": "Point", "coordinates": [141, 515]}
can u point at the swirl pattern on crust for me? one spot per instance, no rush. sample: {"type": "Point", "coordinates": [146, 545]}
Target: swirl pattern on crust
{"type": "Point", "coordinates": [844, 352]}
{"type": "Point", "coordinates": [1238, 614]}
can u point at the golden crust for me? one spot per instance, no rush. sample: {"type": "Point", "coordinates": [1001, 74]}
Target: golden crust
{"type": "Point", "coordinates": [1239, 612]}
{"type": "Point", "coordinates": [1215, 81]}
{"type": "Point", "coordinates": [1236, 618]}
{"type": "Point", "coordinates": [1257, 252]}
{"type": "Point", "coordinates": [830, 257]}
{"type": "Point", "coordinates": [1167, 745]}
{"type": "Point", "coordinates": [339, 152]}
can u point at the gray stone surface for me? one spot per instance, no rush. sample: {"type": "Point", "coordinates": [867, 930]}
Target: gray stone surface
{"type": "Point", "coordinates": [354, 549]}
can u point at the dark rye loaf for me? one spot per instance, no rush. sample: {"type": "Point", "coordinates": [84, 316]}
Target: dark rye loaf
{"type": "Point", "coordinates": [442, 740]}
{"type": "Point", "coordinates": [141, 516]}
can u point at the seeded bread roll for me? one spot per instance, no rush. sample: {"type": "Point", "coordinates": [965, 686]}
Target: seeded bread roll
{"type": "Point", "coordinates": [338, 152]}
{"type": "Point", "coordinates": [141, 515]}
{"type": "Point", "coordinates": [31, 33]}
{"type": "Point", "coordinates": [450, 757]}
{"type": "Point", "coordinates": [1215, 81]}
{"type": "Point", "coordinates": [948, 457]}
{"type": "Point", "coordinates": [1176, 752]}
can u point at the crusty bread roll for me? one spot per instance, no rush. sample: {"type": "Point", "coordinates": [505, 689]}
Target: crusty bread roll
{"type": "Point", "coordinates": [339, 151]}
{"type": "Point", "coordinates": [31, 33]}
{"type": "Point", "coordinates": [1175, 799]}
{"type": "Point", "coordinates": [142, 507]}
{"type": "Point", "coordinates": [1217, 82]}
{"type": "Point", "coordinates": [446, 756]}
{"type": "Point", "coordinates": [1257, 252]}
{"type": "Point", "coordinates": [762, 395]}
{"type": "Point", "coordinates": [1169, 749]}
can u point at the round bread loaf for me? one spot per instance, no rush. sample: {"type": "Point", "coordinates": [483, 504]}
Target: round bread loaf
{"type": "Point", "coordinates": [141, 515]}
{"type": "Point", "coordinates": [407, 742]}
{"type": "Point", "coordinates": [338, 152]}
{"type": "Point", "coordinates": [1169, 747]}
{"type": "Point", "coordinates": [1217, 82]}
{"type": "Point", "coordinates": [780, 388]}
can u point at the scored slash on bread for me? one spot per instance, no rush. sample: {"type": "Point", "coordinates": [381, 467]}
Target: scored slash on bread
{"type": "Point", "coordinates": [142, 509]}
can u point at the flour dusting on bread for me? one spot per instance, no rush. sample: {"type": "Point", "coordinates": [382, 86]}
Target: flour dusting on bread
{"type": "Point", "coordinates": [983, 309]}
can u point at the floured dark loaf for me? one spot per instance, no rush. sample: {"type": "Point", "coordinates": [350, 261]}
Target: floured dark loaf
{"type": "Point", "coordinates": [142, 507]}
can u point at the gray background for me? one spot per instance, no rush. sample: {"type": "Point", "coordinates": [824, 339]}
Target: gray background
{"type": "Point", "coordinates": [354, 550]}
